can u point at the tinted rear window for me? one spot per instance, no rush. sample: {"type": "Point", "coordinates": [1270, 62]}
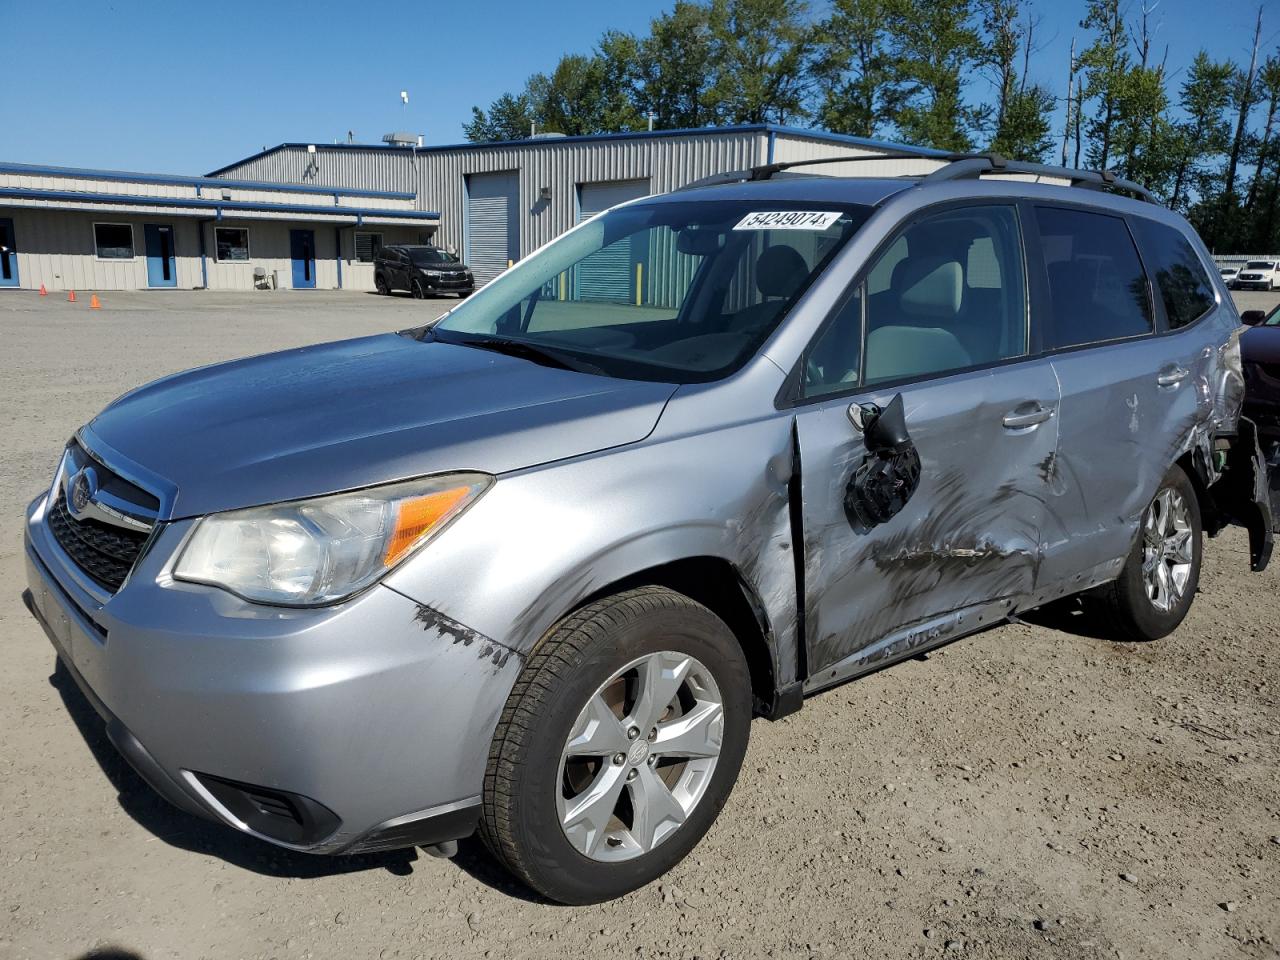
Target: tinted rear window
{"type": "Point", "coordinates": [1097, 287]}
{"type": "Point", "coordinates": [1179, 275]}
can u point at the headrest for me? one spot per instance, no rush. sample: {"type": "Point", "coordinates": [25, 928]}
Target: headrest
{"type": "Point", "coordinates": [780, 271]}
{"type": "Point", "coordinates": [930, 287]}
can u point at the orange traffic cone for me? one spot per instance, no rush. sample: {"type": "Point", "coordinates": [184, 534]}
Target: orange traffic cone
{"type": "Point", "coordinates": [71, 296]}
{"type": "Point", "coordinates": [43, 291]}
{"type": "Point", "coordinates": [93, 303]}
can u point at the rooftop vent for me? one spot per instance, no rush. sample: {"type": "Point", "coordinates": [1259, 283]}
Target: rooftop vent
{"type": "Point", "coordinates": [401, 138]}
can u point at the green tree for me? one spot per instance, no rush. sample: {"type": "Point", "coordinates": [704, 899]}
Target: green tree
{"type": "Point", "coordinates": [854, 68]}
{"type": "Point", "coordinates": [1020, 119]}
{"type": "Point", "coordinates": [508, 118]}
{"type": "Point", "coordinates": [759, 53]}
{"type": "Point", "coordinates": [674, 68]}
{"type": "Point", "coordinates": [1204, 133]}
{"type": "Point", "coordinates": [1105, 64]}
{"type": "Point", "coordinates": [935, 45]}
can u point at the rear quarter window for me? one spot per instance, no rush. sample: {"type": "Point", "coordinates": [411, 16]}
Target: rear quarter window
{"type": "Point", "coordinates": [1179, 275]}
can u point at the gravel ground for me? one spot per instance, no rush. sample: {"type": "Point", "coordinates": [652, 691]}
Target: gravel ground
{"type": "Point", "coordinates": [1035, 791]}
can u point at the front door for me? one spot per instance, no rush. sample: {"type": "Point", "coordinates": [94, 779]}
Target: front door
{"type": "Point", "coordinates": [941, 321]}
{"type": "Point", "coordinates": [161, 265]}
{"type": "Point", "coordinates": [8, 255]}
{"type": "Point", "coordinates": [302, 248]}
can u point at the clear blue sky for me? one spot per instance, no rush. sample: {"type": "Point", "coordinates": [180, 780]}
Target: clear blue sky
{"type": "Point", "coordinates": [184, 87]}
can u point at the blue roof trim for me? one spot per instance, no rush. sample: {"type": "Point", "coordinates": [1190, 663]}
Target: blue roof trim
{"type": "Point", "coordinates": [766, 128]}
{"type": "Point", "coordinates": [40, 170]}
{"type": "Point", "coordinates": [230, 206]}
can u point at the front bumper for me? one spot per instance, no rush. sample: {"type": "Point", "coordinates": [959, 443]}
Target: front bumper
{"type": "Point", "coordinates": [448, 284]}
{"type": "Point", "coordinates": [362, 722]}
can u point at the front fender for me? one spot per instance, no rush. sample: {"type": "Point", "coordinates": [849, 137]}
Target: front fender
{"type": "Point", "coordinates": [542, 540]}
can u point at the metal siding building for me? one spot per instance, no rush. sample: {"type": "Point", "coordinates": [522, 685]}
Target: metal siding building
{"type": "Point", "coordinates": [172, 231]}
{"type": "Point", "coordinates": [552, 175]}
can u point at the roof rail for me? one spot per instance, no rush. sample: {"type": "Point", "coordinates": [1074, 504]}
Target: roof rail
{"type": "Point", "coordinates": [957, 166]}
{"type": "Point", "coordinates": [962, 166]}
{"type": "Point", "coordinates": [767, 171]}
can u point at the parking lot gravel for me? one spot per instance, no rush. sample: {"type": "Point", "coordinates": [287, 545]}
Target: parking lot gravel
{"type": "Point", "coordinates": [1034, 791]}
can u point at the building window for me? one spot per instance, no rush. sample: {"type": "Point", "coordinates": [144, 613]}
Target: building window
{"type": "Point", "coordinates": [367, 246]}
{"type": "Point", "coordinates": [231, 243]}
{"type": "Point", "coordinates": [113, 241]}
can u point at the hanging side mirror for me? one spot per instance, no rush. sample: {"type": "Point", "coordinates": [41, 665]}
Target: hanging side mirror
{"type": "Point", "coordinates": [890, 474]}
{"type": "Point", "coordinates": [1251, 318]}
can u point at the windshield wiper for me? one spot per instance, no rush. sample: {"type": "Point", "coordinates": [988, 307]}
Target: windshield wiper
{"type": "Point", "coordinates": [524, 349]}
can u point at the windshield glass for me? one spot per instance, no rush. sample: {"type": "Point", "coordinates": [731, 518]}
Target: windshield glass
{"type": "Point", "coordinates": [1259, 265]}
{"type": "Point", "coordinates": [677, 292]}
{"type": "Point", "coordinates": [425, 256]}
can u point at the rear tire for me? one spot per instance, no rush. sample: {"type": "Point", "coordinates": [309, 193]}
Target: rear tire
{"type": "Point", "coordinates": [380, 285]}
{"type": "Point", "coordinates": [581, 818]}
{"type": "Point", "coordinates": [1157, 586]}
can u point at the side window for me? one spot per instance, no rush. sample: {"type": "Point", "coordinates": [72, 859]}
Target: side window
{"type": "Point", "coordinates": [1179, 275]}
{"type": "Point", "coordinates": [947, 294]}
{"type": "Point", "coordinates": [1097, 288]}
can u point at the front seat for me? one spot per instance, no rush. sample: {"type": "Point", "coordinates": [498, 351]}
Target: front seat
{"type": "Point", "coordinates": [780, 273]}
{"type": "Point", "coordinates": [917, 341]}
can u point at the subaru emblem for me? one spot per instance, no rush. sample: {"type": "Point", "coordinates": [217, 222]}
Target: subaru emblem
{"type": "Point", "coordinates": [84, 486]}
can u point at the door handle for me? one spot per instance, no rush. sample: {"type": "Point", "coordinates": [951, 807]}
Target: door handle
{"type": "Point", "coordinates": [1172, 376]}
{"type": "Point", "coordinates": [1026, 415]}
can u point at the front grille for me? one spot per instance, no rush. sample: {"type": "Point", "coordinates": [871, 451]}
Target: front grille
{"type": "Point", "coordinates": [105, 553]}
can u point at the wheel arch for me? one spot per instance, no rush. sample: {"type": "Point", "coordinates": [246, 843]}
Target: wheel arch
{"type": "Point", "coordinates": [720, 586]}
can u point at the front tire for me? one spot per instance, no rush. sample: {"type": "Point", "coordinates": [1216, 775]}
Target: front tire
{"type": "Point", "coordinates": [417, 290]}
{"type": "Point", "coordinates": [380, 285]}
{"type": "Point", "coordinates": [617, 747]}
{"type": "Point", "coordinates": [1158, 584]}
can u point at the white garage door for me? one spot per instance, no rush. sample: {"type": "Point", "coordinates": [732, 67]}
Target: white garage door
{"type": "Point", "coordinates": [608, 274]}
{"type": "Point", "coordinates": [493, 234]}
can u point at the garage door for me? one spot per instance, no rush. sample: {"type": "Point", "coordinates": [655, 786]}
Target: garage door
{"type": "Point", "coordinates": [608, 274]}
{"type": "Point", "coordinates": [493, 233]}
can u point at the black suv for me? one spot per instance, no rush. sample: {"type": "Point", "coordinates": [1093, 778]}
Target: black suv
{"type": "Point", "coordinates": [422, 270]}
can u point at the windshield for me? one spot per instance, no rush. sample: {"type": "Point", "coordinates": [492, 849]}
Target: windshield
{"type": "Point", "coordinates": [1259, 265]}
{"type": "Point", "coordinates": [426, 256]}
{"type": "Point", "coordinates": [677, 292]}
{"type": "Point", "coordinates": [1273, 318]}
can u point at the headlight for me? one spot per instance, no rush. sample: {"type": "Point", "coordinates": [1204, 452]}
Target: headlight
{"type": "Point", "coordinates": [318, 551]}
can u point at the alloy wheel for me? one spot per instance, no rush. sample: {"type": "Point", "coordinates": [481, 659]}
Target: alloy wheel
{"type": "Point", "coordinates": [1167, 549]}
{"type": "Point", "coordinates": [640, 756]}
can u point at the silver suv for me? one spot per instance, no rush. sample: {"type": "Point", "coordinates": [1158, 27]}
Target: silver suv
{"type": "Point", "coordinates": [533, 569]}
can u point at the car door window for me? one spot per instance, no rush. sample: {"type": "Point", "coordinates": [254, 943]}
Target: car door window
{"type": "Point", "coordinates": [1179, 275]}
{"type": "Point", "coordinates": [947, 294]}
{"type": "Point", "coordinates": [1097, 288]}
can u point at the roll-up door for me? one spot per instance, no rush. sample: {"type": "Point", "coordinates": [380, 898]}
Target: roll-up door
{"type": "Point", "coordinates": [493, 235]}
{"type": "Point", "coordinates": [608, 274]}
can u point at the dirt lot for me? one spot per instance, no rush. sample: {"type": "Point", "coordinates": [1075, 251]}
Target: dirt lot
{"type": "Point", "coordinates": [1031, 792]}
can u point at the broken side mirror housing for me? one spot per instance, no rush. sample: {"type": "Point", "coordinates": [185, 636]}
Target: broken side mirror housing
{"type": "Point", "coordinates": [1251, 318]}
{"type": "Point", "coordinates": [890, 474]}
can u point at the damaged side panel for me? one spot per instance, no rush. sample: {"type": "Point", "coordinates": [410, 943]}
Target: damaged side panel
{"type": "Point", "coordinates": [588, 524]}
{"type": "Point", "coordinates": [968, 536]}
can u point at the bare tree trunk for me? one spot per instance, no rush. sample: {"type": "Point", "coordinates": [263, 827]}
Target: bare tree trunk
{"type": "Point", "coordinates": [1071, 80]}
{"type": "Point", "coordinates": [1246, 105]}
{"type": "Point", "coordinates": [1264, 148]}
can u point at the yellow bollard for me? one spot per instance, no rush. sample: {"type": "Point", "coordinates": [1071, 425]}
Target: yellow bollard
{"type": "Point", "coordinates": [639, 279]}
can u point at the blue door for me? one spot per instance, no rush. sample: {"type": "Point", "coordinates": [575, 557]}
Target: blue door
{"type": "Point", "coordinates": [8, 255]}
{"type": "Point", "coordinates": [302, 248]}
{"type": "Point", "coordinates": [162, 268]}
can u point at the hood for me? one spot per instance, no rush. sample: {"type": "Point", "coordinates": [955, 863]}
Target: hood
{"type": "Point", "coordinates": [1261, 345]}
{"type": "Point", "coordinates": [337, 416]}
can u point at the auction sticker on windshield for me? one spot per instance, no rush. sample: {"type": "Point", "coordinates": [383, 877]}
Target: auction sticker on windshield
{"type": "Point", "coordinates": [787, 220]}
